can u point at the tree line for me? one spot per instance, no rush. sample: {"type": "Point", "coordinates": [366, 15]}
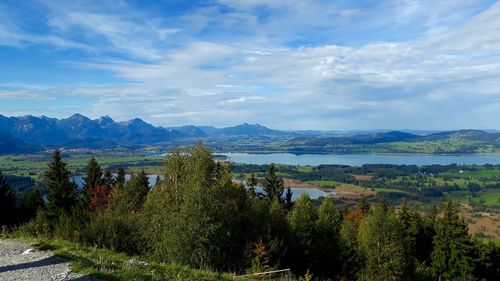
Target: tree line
{"type": "Point", "coordinates": [196, 215]}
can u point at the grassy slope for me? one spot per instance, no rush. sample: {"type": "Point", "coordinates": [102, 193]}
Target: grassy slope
{"type": "Point", "coordinates": [109, 265]}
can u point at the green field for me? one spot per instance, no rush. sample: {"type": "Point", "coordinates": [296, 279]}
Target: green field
{"type": "Point", "coordinates": [34, 165]}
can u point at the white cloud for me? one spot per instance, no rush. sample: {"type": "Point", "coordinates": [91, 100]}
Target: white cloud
{"type": "Point", "coordinates": [244, 99]}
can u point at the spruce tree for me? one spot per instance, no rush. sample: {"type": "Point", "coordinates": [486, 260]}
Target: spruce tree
{"type": "Point", "coordinates": [7, 202]}
{"type": "Point", "coordinates": [108, 180]}
{"type": "Point", "coordinates": [92, 179]}
{"type": "Point", "coordinates": [451, 257]}
{"type": "Point", "coordinates": [363, 204]}
{"type": "Point", "coordinates": [302, 222]}
{"type": "Point", "coordinates": [251, 182]}
{"type": "Point", "coordinates": [273, 185]}
{"type": "Point", "coordinates": [288, 199]}
{"type": "Point", "coordinates": [63, 194]}
{"type": "Point", "coordinates": [351, 259]}
{"type": "Point", "coordinates": [31, 202]}
{"type": "Point", "coordinates": [277, 233]}
{"type": "Point", "coordinates": [120, 178]}
{"type": "Point", "coordinates": [326, 261]}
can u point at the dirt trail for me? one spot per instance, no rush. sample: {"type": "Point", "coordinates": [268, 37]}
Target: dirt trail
{"type": "Point", "coordinates": [21, 262]}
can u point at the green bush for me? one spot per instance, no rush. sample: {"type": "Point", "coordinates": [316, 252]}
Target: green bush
{"type": "Point", "coordinates": [118, 233]}
{"type": "Point", "coordinates": [37, 227]}
{"type": "Point", "coordinates": [68, 226]}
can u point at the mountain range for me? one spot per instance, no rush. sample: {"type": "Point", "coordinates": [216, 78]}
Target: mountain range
{"type": "Point", "coordinates": [30, 133]}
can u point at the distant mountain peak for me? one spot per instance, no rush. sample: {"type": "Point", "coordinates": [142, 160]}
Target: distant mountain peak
{"type": "Point", "coordinates": [78, 117]}
{"type": "Point", "coordinates": [105, 120]}
{"type": "Point", "coordinates": [137, 121]}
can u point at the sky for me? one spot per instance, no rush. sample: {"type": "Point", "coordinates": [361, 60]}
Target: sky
{"type": "Point", "coordinates": [285, 64]}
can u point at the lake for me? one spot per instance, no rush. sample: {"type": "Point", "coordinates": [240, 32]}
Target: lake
{"type": "Point", "coordinates": [79, 179]}
{"type": "Point", "coordinates": [360, 159]}
{"type": "Point", "coordinates": [313, 193]}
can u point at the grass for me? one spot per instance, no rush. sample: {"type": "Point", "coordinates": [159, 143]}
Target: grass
{"type": "Point", "coordinates": [110, 265]}
{"type": "Point", "coordinates": [391, 190]}
{"type": "Point", "coordinates": [305, 169]}
{"type": "Point", "coordinates": [483, 173]}
{"type": "Point", "coordinates": [490, 197]}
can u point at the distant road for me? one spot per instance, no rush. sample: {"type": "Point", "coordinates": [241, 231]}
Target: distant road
{"type": "Point", "coordinates": [21, 262]}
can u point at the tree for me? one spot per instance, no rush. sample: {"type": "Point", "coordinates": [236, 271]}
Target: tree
{"type": "Point", "coordinates": [120, 178]}
{"type": "Point", "coordinates": [363, 204]}
{"type": "Point", "coordinates": [486, 260]}
{"type": "Point", "coordinates": [131, 198]}
{"type": "Point", "coordinates": [273, 185]}
{"type": "Point", "coordinates": [108, 180]}
{"type": "Point", "coordinates": [351, 260]}
{"type": "Point", "coordinates": [63, 194]}
{"type": "Point", "coordinates": [288, 199]}
{"type": "Point", "coordinates": [92, 179]}
{"type": "Point", "coordinates": [277, 235]}
{"type": "Point", "coordinates": [99, 198]}
{"type": "Point", "coordinates": [382, 244]}
{"type": "Point", "coordinates": [326, 260]}
{"type": "Point", "coordinates": [451, 257]}
{"type": "Point", "coordinates": [157, 180]}
{"type": "Point", "coordinates": [251, 181]}
{"type": "Point", "coordinates": [7, 202]}
{"type": "Point", "coordinates": [197, 216]}
{"type": "Point", "coordinates": [31, 202]}
{"type": "Point", "coordinates": [302, 222]}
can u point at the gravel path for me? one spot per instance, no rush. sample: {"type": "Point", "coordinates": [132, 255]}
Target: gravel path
{"type": "Point", "coordinates": [22, 262]}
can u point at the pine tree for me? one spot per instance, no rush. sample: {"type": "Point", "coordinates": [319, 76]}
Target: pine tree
{"type": "Point", "coordinates": [302, 222]}
{"type": "Point", "coordinates": [7, 202]}
{"type": "Point", "coordinates": [120, 178]}
{"type": "Point", "coordinates": [108, 180]}
{"type": "Point", "coordinates": [157, 180]}
{"type": "Point", "coordinates": [63, 194]}
{"type": "Point", "coordinates": [276, 233]}
{"type": "Point", "coordinates": [326, 262]}
{"type": "Point", "coordinates": [251, 182]}
{"type": "Point", "coordinates": [363, 205]}
{"type": "Point", "coordinates": [92, 179]}
{"type": "Point", "coordinates": [31, 202]}
{"type": "Point", "coordinates": [288, 199]}
{"type": "Point", "coordinates": [351, 259]}
{"type": "Point", "coordinates": [451, 257]}
{"type": "Point", "coordinates": [273, 185]}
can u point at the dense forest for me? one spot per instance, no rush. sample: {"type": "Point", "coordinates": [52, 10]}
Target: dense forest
{"type": "Point", "coordinates": [196, 215]}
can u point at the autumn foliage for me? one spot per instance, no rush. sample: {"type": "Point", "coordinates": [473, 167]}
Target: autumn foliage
{"type": "Point", "coordinates": [100, 196]}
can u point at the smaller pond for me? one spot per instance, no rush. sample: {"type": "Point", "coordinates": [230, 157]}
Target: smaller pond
{"type": "Point", "coordinates": [313, 193]}
{"type": "Point", "coordinates": [79, 179]}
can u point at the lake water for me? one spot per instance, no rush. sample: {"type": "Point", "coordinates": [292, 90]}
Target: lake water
{"type": "Point", "coordinates": [360, 159]}
{"type": "Point", "coordinates": [313, 193]}
{"type": "Point", "coordinates": [79, 180]}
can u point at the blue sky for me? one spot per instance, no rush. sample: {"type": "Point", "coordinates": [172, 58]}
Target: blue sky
{"type": "Point", "coordinates": [293, 64]}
